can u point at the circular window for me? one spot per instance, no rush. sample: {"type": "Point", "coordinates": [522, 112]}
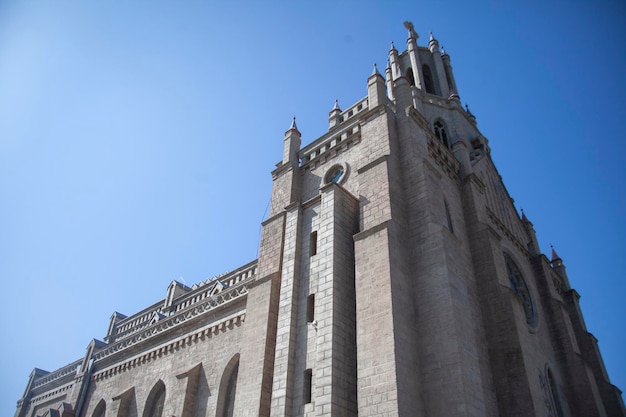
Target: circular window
{"type": "Point", "coordinates": [336, 174]}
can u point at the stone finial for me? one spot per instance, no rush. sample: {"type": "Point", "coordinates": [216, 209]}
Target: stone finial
{"type": "Point", "coordinates": [431, 38]}
{"type": "Point", "coordinates": [443, 51]}
{"type": "Point", "coordinates": [433, 44]}
{"type": "Point", "coordinates": [393, 47]}
{"type": "Point", "coordinates": [524, 218]}
{"type": "Point", "coordinates": [375, 70]}
{"type": "Point", "coordinates": [336, 106]}
{"type": "Point", "coordinates": [293, 124]}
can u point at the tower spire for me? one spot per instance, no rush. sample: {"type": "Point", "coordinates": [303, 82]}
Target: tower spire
{"type": "Point", "coordinates": [389, 80]}
{"type": "Point", "coordinates": [375, 70]}
{"type": "Point", "coordinates": [559, 267]}
{"type": "Point", "coordinates": [292, 144]}
{"type": "Point", "coordinates": [376, 88]}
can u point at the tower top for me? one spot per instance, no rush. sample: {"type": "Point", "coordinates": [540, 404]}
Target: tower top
{"type": "Point", "coordinates": [293, 125]}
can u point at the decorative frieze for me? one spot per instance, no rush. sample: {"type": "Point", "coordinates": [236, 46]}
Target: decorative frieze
{"type": "Point", "coordinates": [51, 394]}
{"type": "Point", "coordinates": [175, 320]}
{"type": "Point", "coordinates": [174, 346]}
{"type": "Point", "coordinates": [199, 292]}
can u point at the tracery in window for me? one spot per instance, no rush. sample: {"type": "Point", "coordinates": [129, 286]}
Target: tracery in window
{"type": "Point", "coordinates": [554, 393]}
{"type": "Point", "coordinates": [519, 287]}
{"type": "Point", "coordinates": [440, 132]}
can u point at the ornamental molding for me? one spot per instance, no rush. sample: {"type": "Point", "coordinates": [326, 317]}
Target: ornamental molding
{"type": "Point", "coordinates": [173, 346]}
{"type": "Point", "coordinates": [178, 319]}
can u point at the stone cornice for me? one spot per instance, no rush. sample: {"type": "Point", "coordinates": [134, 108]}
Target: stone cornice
{"type": "Point", "coordinates": [60, 373]}
{"type": "Point", "coordinates": [173, 346]}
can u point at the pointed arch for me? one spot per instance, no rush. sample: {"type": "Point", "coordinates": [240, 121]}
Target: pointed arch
{"type": "Point", "coordinates": [100, 410]}
{"type": "Point", "coordinates": [441, 132]}
{"type": "Point", "coordinates": [429, 85]}
{"type": "Point", "coordinates": [521, 290]}
{"type": "Point", "coordinates": [410, 75]}
{"type": "Point", "coordinates": [155, 401]}
{"type": "Point", "coordinates": [554, 393]}
{"type": "Point", "coordinates": [228, 388]}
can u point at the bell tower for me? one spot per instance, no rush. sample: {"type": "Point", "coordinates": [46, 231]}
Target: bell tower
{"type": "Point", "coordinates": [406, 282]}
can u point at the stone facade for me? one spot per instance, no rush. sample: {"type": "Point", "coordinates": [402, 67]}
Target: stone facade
{"type": "Point", "coordinates": [395, 278]}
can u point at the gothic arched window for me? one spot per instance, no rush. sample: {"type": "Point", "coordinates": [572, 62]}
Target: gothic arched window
{"type": "Point", "coordinates": [155, 401]}
{"type": "Point", "coordinates": [428, 79]}
{"type": "Point", "coordinates": [440, 132]}
{"type": "Point", "coordinates": [519, 287]}
{"type": "Point", "coordinates": [100, 409]}
{"type": "Point", "coordinates": [228, 389]}
{"type": "Point", "coordinates": [554, 393]}
{"type": "Point", "coordinates": [410, 76]}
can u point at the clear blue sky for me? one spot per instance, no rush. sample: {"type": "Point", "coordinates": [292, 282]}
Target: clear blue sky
{"type": "Point", "coordinates": [137, 138]}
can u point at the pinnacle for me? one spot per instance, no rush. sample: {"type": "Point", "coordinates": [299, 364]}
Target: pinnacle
{"type": "Point", "coordinates": [555, 256]}
{"type": "Point", "coordinates": [293, 124]}
{"type": "Point", "coordinates": [524, 218]}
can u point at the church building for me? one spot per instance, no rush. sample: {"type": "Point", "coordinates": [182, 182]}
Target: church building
{"type": "Point", "coordinates": [395, 277]}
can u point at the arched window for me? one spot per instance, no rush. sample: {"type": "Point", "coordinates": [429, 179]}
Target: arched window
{"type": "Point", "coordinates": [410, 76]}
{"type": "Point", "coordinates": [155, 401]}
{"type": "Point", "coordinates": [228, 389]}
{"type": "Point", "coordinates": [519, 287]}
{"type": "Point", "coordinates": [428, 79]}
{"type": "Point", "coordinates": [554, 393]}
{"type": "Point", "coordinates": [440, 132]}
{"type": "Point", "coordinates": [100, 409]}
